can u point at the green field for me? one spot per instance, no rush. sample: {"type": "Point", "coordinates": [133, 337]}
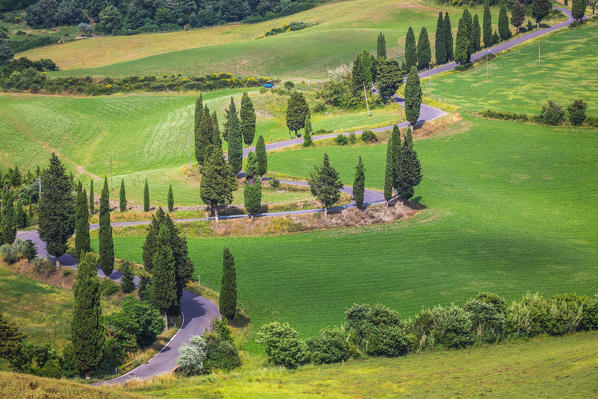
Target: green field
{"type": "Point", "coordinates": [518, 83]}
{"type": "Point", "coordinates": [511, 210]}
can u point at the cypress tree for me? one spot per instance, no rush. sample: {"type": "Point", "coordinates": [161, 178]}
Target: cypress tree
{"type": "Point", "coordinates": [424, 53]}
{"type": "Point", "coordinates": [540, 9]}
{"type": "Point", "coordinates": [182, 262]}
{"type": "Point", "coordinates": [163, 275]}
{"type": "Point", "coordinates": [82, 240]}
{"type": "Point", "coordinates": [127, 283]}
{"type": "Point", "coordinates": [462, 53]}
{"type": "Point", "coordinates": [297, 111]}
{"type": "Point", "coordinates": [247, 119]}
{"type": "Point", "coordinates": [359, 184]}
{"type": "Point", "coordinates": [228, 287]}
{"type": "Point", "coordinates": [578, 9]}
{"type": "Point", "coordinates": [170, 199]}
{"type": "Point", "coordinates": [517, 14]}
{"type": "Point", "coordinates": [503, 23]}
{"type": "Point", "coordinates": [235, 139]}
{"type": "Point", "coordinates": [477, 34]}
{"type": "Point", "coordinates": [469, 24]}
{"type": "Point", "coordinates": [105, 235]}
{"type": "Point", "coordinates": [448, 36]}
{"type": "Point", "coordinates": [440, 41]}
{"type": "Point", "coordinates": [308, 131]}
{"type": "Point", "coordinates": [410, 171]}
{"type": "Point", "coordinates": [253, 186]}
{"type": "Point", "coordinates": [21, 217]}
{"type": "Point", "coordinates": [397, 157]}
{"type": "Point", "coordinates": [413, 96]}
{"type": "Point", "coordinates": [146, 197]}
{"type": "Point", "coordinates": [8, 228]}
{"type": "Point", "coordinates": [217, 182]}
{"type": "Point", "coordinates": [56, 209]}
{"type": "Point", "coordinates": [357, 76]}
{"type": "Point", "coordinates": [204, 136]}
{"type": "Point", "coordinates": [87, 329]}
{"type": "Point", "coordinates": [11, 339]}
{"type": "Point", "coordinates": [123, 196]}
{"type": "Point", "coordinates": [262, 158]}
{"type": "Point", "coordinates": [367, 63]}
{"type": "Point", "coordinates": [381, 48]}
{"type": "Point", "coordinates": [145, 288]}
{"type": "Point", "coordinates": [151, 239]}
{"type": "Point", "coordinates": [487, 22]}
{"type": "Point", "coordinates": [92, 206]}
{"type": "Point", "coordinates": [197, 126]}
{"type": "Point", "coordinates": [410, 50]}
{"type": "Point", "coordinates": [325, 184]}
{"type": "Point", "coordinates": [30, 212]}
{"type": "Point", "coordinates": [388, 173]}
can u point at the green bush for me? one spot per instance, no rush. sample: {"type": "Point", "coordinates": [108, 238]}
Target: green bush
{"type": "Point", "coordinates": [329, 346]}
{"type": "Point", "coordinates": [488, 322]}
{"type": "Point", "coordinates": [369, 137]}
{"type": "Point", "coordinates": [528, 317]}
{"type": "Point", "coordinates": [192, 357]}
{"type": "Point", "coordinates": [108, 287]}
{"type": "Point", "coordinates": [451, 327]}
{"type": "Point", "coordinates": [319, 108]}
{"type": "Point", "coordinates": [282, 345]}
{"type": "Point", "coordinates": [220, 354]}
{"type": "Point", "coordinates": [9, 253]}
{"type": "Point", "coordinates": [387, 340]}
{"type": "Point", "coordinates": [341, 139]}
{"type": "Point", "coordinates": [43, 266]}
{"type": "Point", "coordinates": [352, 138]}
{"type": "Point", "coordinates": [552, 114]}
{"type": "Point", "coordinates": [138, 319]}
{"type": "Point", "coordinates": [275, 183]}
{"type": "Point", "coordinates": [577, 112]}
{"type": "Point", "coordinates": [29, 250]}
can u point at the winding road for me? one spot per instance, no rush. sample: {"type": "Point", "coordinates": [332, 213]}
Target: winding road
{"type": "Point", "coordinates": [198, 312]}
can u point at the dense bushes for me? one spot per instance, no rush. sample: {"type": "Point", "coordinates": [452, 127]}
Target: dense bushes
{"type": "Point", "coordinates": [12, 253]}
{"type": "Point", "coordinates": [551, 114]}
{"type": "Point", "coordinates": [293, 26]}
{"type": "Point", "coordinates": [379, 331]}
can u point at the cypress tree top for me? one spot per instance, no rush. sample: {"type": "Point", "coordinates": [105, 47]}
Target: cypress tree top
{"type": "Point", "coordinates": [487, 28]}
{"type": "Point", "coordinates": [448, 35]}
{"type": "Point", "coordinates": [410, 50]}
{"type": "Point", "coordinates": [359, 184]}
{"type": "Point", "coordinates": [235, 138]}
{"type": "Point", "coordinates": [123, 196]}
{"type": "Point", "coordinates": [381, 46]}
{"type": "Point", "coordinates": [106, 243]}
{"type": "Point", "coordinates": [440, 41]}
{"type": "Point", "coordinates": [146, 197]}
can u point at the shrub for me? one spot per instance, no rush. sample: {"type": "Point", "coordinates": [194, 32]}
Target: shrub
{"type": "Point", "coordinates": [451, 327]}
{"type": "Point", "coordinates": [288, 85]}
{"type": "Point", "coordinates": [282, 344]}
{"type": "Point", "coordinates": [275, 183]}
{"type": "Point", "coordinates": [369, 327]}
{"type": "Point", "coordinates": [108, 288]}
{"type": "Point", "coordinates": [341, 140]}
{"type": "Point", "coordinates": [528, 317]}
{"type": "Point", "coordinates": [44, 266]}
{"type": "Point", "coordinates": [352, 138]}
{"type": "Point", "coordinates": [566, 314]}
{"type": "Point", "coordinates": [329, 346]}
{"type": "Point", "coordinates": [488, 323]}
{"type": "Point", "coordinates": [29, 250]}
{"type": "Point", "coordinates": [9, 254]}
{"type": "Point", "coordinates": [319, 108]}
{"type": "Point", "coordinates": [137, 318]}
{"type": "Point", "coordinates": [389, 341]}
{"type": "Point", "coordinates": [51, 369]}
{"type": "Point", "coordinates": [220, 354]}
{"type": "Point", "coordinates": [577, 112]}
{"type": "Point", "coordinates": [66, 272]}
{"type": "Point", "coordinates": [552, 114]}
{"type": "Point", "coordinates": [192, 356]}
{"type": "Point", "coordinates": [369, 137]}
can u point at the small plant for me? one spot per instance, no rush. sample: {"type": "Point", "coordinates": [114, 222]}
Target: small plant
{"type": "Point", "coordinates": [44, 266]}
{"type": "Point", "coordinates": [66, 272]}
{"type": "Point", "coordinates": [192, 357]}
{"type": "Point", "coordinates": [108, 288]}
{"type": "Point", "coordinates": [289, 85]}
{"type": "Point", "coordinates": [341, 139]}
{"type": "Point", "coordinates": [577, 112]}
{"type": "Point", "coordinates": [275, 183]}
{"type": "Point", "coordinates": [552, 114]}
{"type": "Point", "coordinates": [29, 250]}
{"type": "Point", "coordinates": [319, 108]}
{"type": "Point", "coordinates": [9, 254]}
{"type": "Point", "coordinates": [352, 138]}
{"type": "Point", "coordinates": [369, 137]}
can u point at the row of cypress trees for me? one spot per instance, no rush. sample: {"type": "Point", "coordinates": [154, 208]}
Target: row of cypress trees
{"type": "Point", "coordinates": [419, 56]}
{"type": "Point", "coordinates": [403, 169]}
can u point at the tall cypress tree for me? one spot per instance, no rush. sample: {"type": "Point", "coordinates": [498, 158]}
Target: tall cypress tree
{"type": "Point", "coordinates": [21, 217]}
{"type": "Point", "coordinates": [92, 206]}
{"type": "Point", "coordinates": [123, 196]}
{"type": "Point", "coordinates": [197, 126]}
{"type": "Point", "coordinates": [247, 119]}
{"type": "Point", "coordinates": [8, 227]}
{"type": "Point", "coordinates": [410, 171]}
{"type": "Point", "coordinates": [503, 23]}
{"type": "Point", "coordinates": [228, 287]}
{"type": "Point", "coordinates": [388, 173]}
{"type": "Point", "coordinates": [578, 9]}
{"type": "Point", "coordinates": [413, 96]}
{"type": "Point", "coordinates": [469, 25]}
{"type": "Point", "coordinates": [262, 158]}
{"type": "Point", "coordinates": [56, 209]}
{"type": "Point", "coordinates": [217, 182]}
{"type": "Point", "coordinates": [235, 138]}
{"type": "Point", "coordinates": [216, 141]}
{"type": "Point", "coordinates": [204, 136]}
{"type": "Point", "coordinates": [11, 339]}
{"type": "Point", "coordinates": [359, 184]}
{"type": "Point", "coordinates": [253, 186]}
{"type": "Point", "coordinates": [146, 197]}
{"type": "Point", "coordinates": [127, 283]}
{"type": "Point", "coordinates": [410, 50]}
{"type": "Point", "coordinates": [440, 41]}
{"type": "Point", "coordinates": [462, 54]}
{"type": "Point", "coordinates": [87, 329]}
{"type": "Point", "coordinates": [397, 157]}
{"type": "Point", "coordinates": [182, 262]}
{"type": "Point", "coordinates": [151, 239]}
{"type": "Point", "coordinates": [105, 235]}
{"type": "Point", "coordinates": [325, 184]}
{"type": "Point", "coordinates": [170, 199]}
{"type": "Point", "coordinates": [477, 34]}
{"type": "Point", "coordinates": [82, 240]}
{"type": "Point", "coordinates": [297, 111]}
{"type": "Point", "coordinates": [424, 53]}
{"type": "Point", "coordinates": [541, 9]}
{"type": "Point", "coordinates": [163, 275]}
{"type": "Point", "coordinates": [487, 22]}
{"type": "Point", "coordinates": [381, 46]}
{"type": "Point", "coordinates": [517, 14]}
{"type": "Point", "coordinates": [308, 131]}
{"type": "Point", "coordinates": [448, 37]}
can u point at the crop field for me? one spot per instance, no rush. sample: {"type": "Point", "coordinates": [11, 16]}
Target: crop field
{"type": "Point", "coordinates": [518, 83]}
{"type": "Point", "coordinates": [343, 29]}
{"type": "Point", "coordinates": [511, 209]}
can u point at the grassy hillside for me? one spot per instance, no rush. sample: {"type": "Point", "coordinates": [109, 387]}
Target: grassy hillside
{"type": "Point", "coordinates": [541, 368]}
{"type": "Point", "coordinates": [344, 28]}
{"type": "Point", "coordinates": [511, 210]}
{"type": "Point", "coordinates": [518, 83]}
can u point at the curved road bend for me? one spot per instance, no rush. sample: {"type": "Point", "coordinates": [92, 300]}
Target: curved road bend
{"type": "Point", "coordinates": [198, 312]}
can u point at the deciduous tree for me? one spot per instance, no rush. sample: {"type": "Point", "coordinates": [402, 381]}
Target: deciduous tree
{"type": "Point", "coordinates": [297, 110]}
{"type": "Point", "coordinates": [578, 9]}
{"type": "Point", "coordinates": [389, 78]}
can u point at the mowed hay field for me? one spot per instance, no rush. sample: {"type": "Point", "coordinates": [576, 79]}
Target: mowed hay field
{"type": "Point", "coordinates": [517, 83]}
{"type": "Point", "coordinates": [511, 209]}
{"type": "Point", "coordinates": [344, 28]}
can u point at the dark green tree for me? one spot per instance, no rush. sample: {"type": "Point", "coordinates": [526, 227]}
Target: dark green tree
{"type": "Point", "coordinates": [56, 209]}
{"type": "Point", "coordinates": [297, 110]}
{"type": "Point", "coordinates": [247, 119]}
{"type": "Point", "coordinates": [540, 9]}
{"type": "Point", "coordinates": [308, 131]}
{"type": "Point", "coordinates": [170, 199]}
{"type": "Point", "coordinates": [503, 23]}
{"type": "Point", "coordinates": [578, 9]}
{"type": "Point", "coordinates": [487, 22]}
{"type": "Point", "coordinates": [182, 262]}
{"type": "Point", "coordinates": [325, 184]}
{"type": "Point", "coordinates": [127, 283]}
{"type": "Point", "coordinates": [235, 138]}
{"type": "Point", "coordinates": [359, 184]}
{"type": "Point", "coordinates": [11, 339]}
{"type": "Point", "coordinates": [204, 136]}
{"type": "Point", "coordinates": [397, 157]}
{"type": "Point", "coordinates": [87, 329]}
{"type": "Point", "coordinates": [8, 227]}
{"type": "Point", "coordinates": [517, 14]}
{"type": "Point", "coordinates": [262, 158]}
{"type": "Point", "coordinates": [410, 174]}
{"type": "Point", "coordinates": [477, 34]}
{"type": "Point", "coordinates": [389, 171]}
{"type": "Point", "coordinates": [151, 239]}
{"type": "Point", "coordinates": [82, 240]}
{"type": "Point", "coordinates": [216, 141]}
{"type": "Point", "coordinates": [410, 50]}
{"type": "Point", "coordinates": [123, 196]}
{"type": "Point", "coordinates": [469, 23]}
{"type": "Point", "coordinates": [21, 216]}
{"type": "Point", "coordinates": [253, 186]}
{"type": "Point", "coordinates": [228, 287]}
{"type": "Point", "coordinates": [424, 53]}
{"type": "Point", "coordinates": [389, 78]}
{"type": "Point", "coordinates": [146, 197]}
{"type": "Point", "coordinates": [381, 46]}
{"type": "Point", "coordinates": [462, 54]}
{"type": "Point", "coordinates": [440, 41]}
{"type": "Point", "coordinates": [448, 35]}
{"type": "Point", "coordinates": [106, 243]}
{"type": "Point", "coordinates": [163, 275]}
{"type": "Point", "coordinates": [413, 96]}
{"type": "Point", "coordinates": [198, 115]}
{"type": "Point", "coordinates": [217, 182]}
{"type": "Point", "coordinates": [92, 206]}
{"type": "Point", "coordinates": [145, 288]}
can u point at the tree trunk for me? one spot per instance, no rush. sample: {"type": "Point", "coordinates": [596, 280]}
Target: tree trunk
{"type": "Point", "coordinates": [325, 212]}
{"type": "Point", "coordinates": [165, 322]}
{"type": "Point", "coordinates": [57, 261]}
{"type": "Point", "coordinates": [216, 212]}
